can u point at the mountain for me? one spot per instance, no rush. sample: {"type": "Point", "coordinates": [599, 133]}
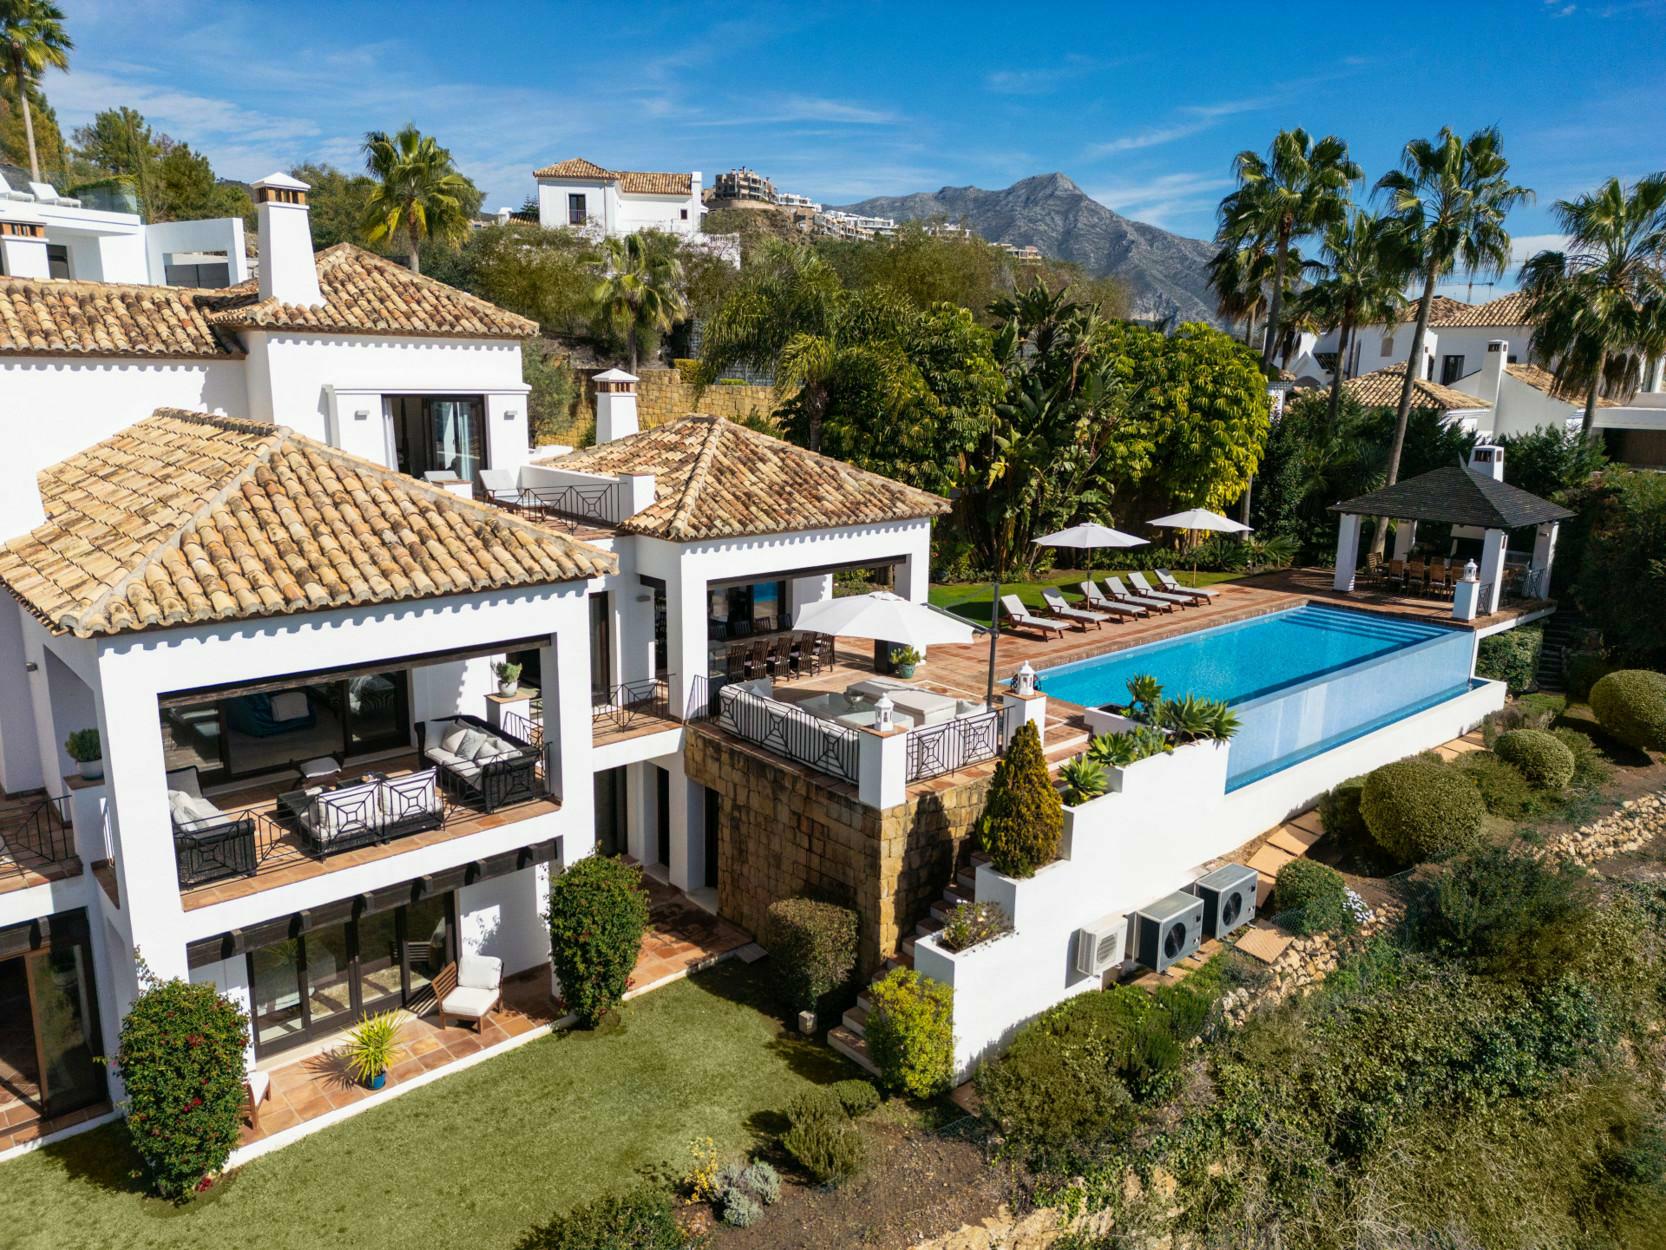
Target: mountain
{"type": "Point", "coordinates": [1165, 273]}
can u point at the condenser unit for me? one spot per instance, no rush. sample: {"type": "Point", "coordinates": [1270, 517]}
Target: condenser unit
{"type": "Point", "coordinates": [1100, 945]}
{"type": "Point", "coordinates": [1167, 931]}
{"type": "Point", "coordinates": [1228, 896]}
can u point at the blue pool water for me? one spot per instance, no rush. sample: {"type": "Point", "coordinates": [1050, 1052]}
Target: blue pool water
{"type": "Point", "coordinates": [1301, 681]}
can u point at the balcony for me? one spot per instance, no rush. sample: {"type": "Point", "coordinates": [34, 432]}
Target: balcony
{"type": "Point", "coordinates": [37, 841]}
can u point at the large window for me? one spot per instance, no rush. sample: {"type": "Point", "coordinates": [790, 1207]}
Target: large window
{"type": "Point", "coordinates": [1451, 369]}
{"type": "Point", "coordinates": [49, 1032]}
{"type": "Point", "coordinates": [601, 649]}
{"type": "Point", "coordinates": [576, 214]}
{"type": "Point", "coordinates": [438, 434]}
{"type": "Point", "coordinates": [751, 608]}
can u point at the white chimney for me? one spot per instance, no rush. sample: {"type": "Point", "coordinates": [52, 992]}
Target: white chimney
{"type": "Point", "coordinates": [287, 270]}
{"type": "Point", "coordinates": [22, 243]}
{"type": "Point", "coordinates": [1492, 374]}
{"type": "Point", "coordinates": [1487, 460]}
{"type": "Point", "coordinates": [615, 405]}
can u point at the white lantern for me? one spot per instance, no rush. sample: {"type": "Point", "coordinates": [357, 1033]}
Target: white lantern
{"type": "Point", "coordinates": [1023, 681]}
{"type": "Point", "coordinates": [1471, 573]}
{"type": "Point", "coordinates": [882, 713]}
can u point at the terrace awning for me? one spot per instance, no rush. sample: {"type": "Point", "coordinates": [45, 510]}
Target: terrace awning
{"type": "Point", "coordinates": [1456, 495]}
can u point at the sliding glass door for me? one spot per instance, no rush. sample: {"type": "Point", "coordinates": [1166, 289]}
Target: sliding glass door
{"type": "Point", "coordinates": [49, 1030]}
{"type": "Point", "coordinates": [439, 434]}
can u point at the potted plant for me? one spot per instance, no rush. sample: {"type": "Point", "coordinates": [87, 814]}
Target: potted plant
{"type": "Point", "coordinates": [904, 660]}
{"type": "Point", "coordinates": [508, 677]}
{"type": "Point", "coordinates": [370, 1048]}
{"type": "Point", "coordinates": [86, 750]}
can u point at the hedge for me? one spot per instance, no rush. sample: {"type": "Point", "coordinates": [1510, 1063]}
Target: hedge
{"type": "Point", "coordinates": [1503, 789]}
{"type": "Point", "coordinates": [1630, 705]}
{"type": "Point", "coordinates": [812, 946]}
{"type": "Point", "coordinates": [1339, 811]}
{"type": "Point", "coordinates": [1023, 823]}
{"type": "Point", "coordinates": [598, 913]}
{"type": "Point", "coordinates": [641, 1220]}
{"type": "Point", "coordinates": [1539, 755]}
{"type": "Point", "coordinates": [1310, 897]}
{"type": "Point", "coordinates": [910, 1032]}
{"type": "Point", "coordinates": [1512, 657]}
{"type": "Point", "coordinates": [1419, 809]}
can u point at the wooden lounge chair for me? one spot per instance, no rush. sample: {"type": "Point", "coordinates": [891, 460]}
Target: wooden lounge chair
{"type": "Point", "coordinates": [257, 1088]}
{"type": "Point", "coordinates": [469, 989]}
{"type": "Point", "coordinates": [1166, 580]}
{"type": "Point", "coordinates": [1095, 599]}
{"type": "Point", "coordinates": [1121, 594]}
{"type": "Point", "coordinates": [1146, 590]}
{"type": "Point", "coordinates": [1018, 614]}
{"type": "Point", "coordinates": [1059, 607]}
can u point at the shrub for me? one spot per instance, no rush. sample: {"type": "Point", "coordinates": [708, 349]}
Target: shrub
{"type": "Point", "coordinates": [1630, 704]}
{"type": "Point", "coordinates": [1503, 789]}
{"type": "Point", "coordinates": [742, 1192]}
{"type": "Point", "coordinates": [856, 1096]}
{"type": "Point", "coordinates": [816, 1103]}
{"type": "Point", "coordinates": [1542, 758]}
{"type": "Point", "coordinates": [910, 1032]}
{"type": "Point", "coordinates": [741, 1209]}
{"type": "Point", "coordinates": [1311, 898]}
{"type": "Point", "coordinates": [597, 914]}
{"type": "Point", "coordinates": [1024, 820]}
{"type": "Point", "coordinates": [970, 923]}
{"type": "Point", "coordinates": [762, 1181]}
{"type": "Point", "coordinates": [641, 1220]}
{"type": "Point", "coordinates": [1532, 712]}
{"type": "Point", "coordinates": [1582, 670]}
{"type": "Point", "coordinates": [1420, 809]}
{"type": "Point", "coordinates": [1339, 811]}
{"type": "Point", "coordinates": [1512, 657]}
{"type": "Point", "coordinates": [1589, 768]}
{"type": "Point", "coordinates": [180, 1055]}
{"type": "Point", "coordinates": [822, 1140]}
{"type": "Point", "coordinates": [813, 948]}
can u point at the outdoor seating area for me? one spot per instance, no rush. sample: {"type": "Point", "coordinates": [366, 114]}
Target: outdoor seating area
{"type": "Point", "coordinates": [1102, 604]}
{"type": "Point", "coordinates": [780, 656]}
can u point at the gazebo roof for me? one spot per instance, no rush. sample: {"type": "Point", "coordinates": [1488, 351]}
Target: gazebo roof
{"type": "Point", "coordinates": [1459, 496]}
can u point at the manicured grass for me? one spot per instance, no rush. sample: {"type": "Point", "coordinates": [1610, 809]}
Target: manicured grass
{"type": "Point", "coordinates": [971, 599]}
{"type": "Point", "coordinates": [471, 1160]}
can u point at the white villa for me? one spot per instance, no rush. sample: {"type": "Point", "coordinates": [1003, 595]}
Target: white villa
{"type": "Point", "coordinates": [582, 194]}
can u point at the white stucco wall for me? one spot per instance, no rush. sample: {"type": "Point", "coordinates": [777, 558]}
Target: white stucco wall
{"type": "Point", "coordinates": [611, 211]}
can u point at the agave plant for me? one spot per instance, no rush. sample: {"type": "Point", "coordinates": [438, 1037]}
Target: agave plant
{"type": "Point", "coordinates": [1145, 697]}
{"type": "Point", "coordinates": [1187, 718]}
{"type": "Point", "coordinates": [1149, 740]}
{"type": "Point", "coordinates": [1083, 779]}
{"type": "Point", "coordinates": [1223, 721]}
{"type": "Point", "coordinates": [1111, 750]}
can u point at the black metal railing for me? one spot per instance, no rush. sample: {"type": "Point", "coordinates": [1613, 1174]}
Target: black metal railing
{"type": "Point", "coordinates": [45, 834]}
{"type": "Point", "coordinates": [780, 727]}
{"type": "Point", "coordinates": [937, 749]}
{"type": "Point", "coordinates": [702, 702]}
{"type": "Point", "coordinates": [567, 506]}
{"type": "Point", "coordinates": [630, 703]}
{"type": "Point", "coordinates": [529, 728]}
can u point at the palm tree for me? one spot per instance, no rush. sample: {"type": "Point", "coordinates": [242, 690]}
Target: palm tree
{"type": "Point", "coordinates": [1362, 270]}
{"type": "Point", "coordinates": [1298, 187]}
{"type": "Point", "coordinates": [33, 40]}
{"type": "Point", "coordinates": [418, 191]}
{"type": "Point", "coordinates": [1601, 305]}
{"type": "Point", "coordinates": [1448, 201]}
{"type": "Point", "coordinates": [642, 289]}
{"type": "Point", "coordinates": [1240, 277]}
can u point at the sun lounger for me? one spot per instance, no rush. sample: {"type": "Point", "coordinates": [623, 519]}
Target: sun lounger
{"type": "Point", "coordinates": [1017, 614]}
{"type": "Point", "coordinates": [1059, 607]}
{"type": "Point", "coordinates": [1166, 580]}
{"type": "Point", "coordinates": [1120, 593]}
{"type": "Point", "coordinates": [1148, 591]}
{"type": "Point", "coordinates": [1096, 599]}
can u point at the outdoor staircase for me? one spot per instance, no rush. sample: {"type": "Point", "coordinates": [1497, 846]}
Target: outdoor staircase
{"type": "Point", "coordinates": [849, 1037]}
{"type": "Point", "coordinates": [1559, 631]}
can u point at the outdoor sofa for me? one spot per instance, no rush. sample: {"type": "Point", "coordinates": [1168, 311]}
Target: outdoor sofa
{"type": "Point", "coordinates": [479, 764]}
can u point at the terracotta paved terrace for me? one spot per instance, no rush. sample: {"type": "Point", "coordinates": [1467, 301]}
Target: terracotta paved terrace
{"type": "Point", "coordinates": [1315, 584]}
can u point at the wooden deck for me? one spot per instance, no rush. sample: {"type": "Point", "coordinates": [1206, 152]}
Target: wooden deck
{"type": "Point", "coordinates": [1315, 585]}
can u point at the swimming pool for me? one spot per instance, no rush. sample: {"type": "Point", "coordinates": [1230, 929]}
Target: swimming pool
{"type": "Point", "coordinates": [1302, 681]}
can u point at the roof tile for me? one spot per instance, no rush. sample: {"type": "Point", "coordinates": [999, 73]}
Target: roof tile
{"type": "Point", "coordinates": [1381, 389]}
{"type": "Point", "coordinates": [65, 317]}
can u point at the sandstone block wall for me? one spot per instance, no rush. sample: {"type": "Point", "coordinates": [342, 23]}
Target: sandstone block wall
{"type": "Point", "coordinates": [662, 395]}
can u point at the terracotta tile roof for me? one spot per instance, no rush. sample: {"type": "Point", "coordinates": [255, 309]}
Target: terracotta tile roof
{"type": "Point", "coordinates": [1506, 310]}
{"type": "Point", "coordinates": [716, 479]}
{"type": "Point", "coordinates": [1381, 389]}
{"type": "Point", "coordinates": [63, 317]}
{"type": "Point", "coordinates": [1442, 311]}
{"type": "Point", "coordinates": [1544, 380]}
{"type": "Point", "coordinates": [186, 518]}
{"type": "Point", "coordinates": [634, 181]}
{"type": "Point", "coordinates": [369, 294]}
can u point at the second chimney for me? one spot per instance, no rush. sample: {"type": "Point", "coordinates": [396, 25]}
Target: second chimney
{"type": "Point", "coordinates": [615, 405]}
{"type": "Point", "coordinates": [288, 272]}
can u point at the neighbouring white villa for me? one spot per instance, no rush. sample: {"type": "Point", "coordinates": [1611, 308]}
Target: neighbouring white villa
{"type": "Point", "coordinates": [581, 194]}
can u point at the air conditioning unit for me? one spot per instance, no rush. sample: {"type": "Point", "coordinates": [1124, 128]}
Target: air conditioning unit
{"type": "Point", "coordinates": [1167, 931]}
{"type": "Point", "coordinates": [1100, 945]}
{"type": "Point", "coordinates": [1228, 896]}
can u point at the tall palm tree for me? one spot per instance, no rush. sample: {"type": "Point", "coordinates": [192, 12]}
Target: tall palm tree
{"type": "Point", "coordinates": [642, 286]}
{"type": "Point", "coordinates": [32, 40]}
{"type": "Point", "coordinates": [1363, 267]}
{"type": "Point", "coordinates": [418, 191]}
{"type": "Point", "coordinates": [1298, 187]}
{"type": "Point", "coordinates": [1600, 307]}
{"type": "Point", "coordinates": [1240, 278]}
{"type": "Point", "coordinates": [1448, 201]}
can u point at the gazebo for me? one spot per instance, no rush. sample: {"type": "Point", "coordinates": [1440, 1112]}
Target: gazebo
{"type": "Point", "coordinates": [1474, 496]}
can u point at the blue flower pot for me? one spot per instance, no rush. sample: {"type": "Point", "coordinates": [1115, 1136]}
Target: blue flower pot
{"type": "Point", "coordinates": [377, 1081]}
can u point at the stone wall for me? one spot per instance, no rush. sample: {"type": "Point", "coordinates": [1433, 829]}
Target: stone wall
{"type": "Point", "coordinates": [785, 830]}
{"type": "Point", "coordinates": [662, 395]}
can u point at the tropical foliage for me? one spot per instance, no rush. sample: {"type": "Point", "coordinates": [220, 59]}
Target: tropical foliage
{"type": "Point", "coordinates": [640, 293]}
{"type": "Point", "coordinates": [418, 194]}
{"type": "Point", "coordinates": [32, 41]}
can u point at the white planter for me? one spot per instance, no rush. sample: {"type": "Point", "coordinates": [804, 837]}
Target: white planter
{"type": "Point", "coordinates": [507, 689]}
{"type": "Point", "coordinates": [1102, 721]}
{"type": "Point", "coordinates": [91, 770]}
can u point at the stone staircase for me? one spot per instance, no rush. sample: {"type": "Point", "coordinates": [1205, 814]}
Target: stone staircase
{"type": "Point", "coordinates": [1559, 630]}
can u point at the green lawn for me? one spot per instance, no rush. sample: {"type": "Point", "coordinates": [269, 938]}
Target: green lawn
{"type": "Point", "coordinates": [971, 599]}
{"type": "Point", "coordinates": [471, 1160]}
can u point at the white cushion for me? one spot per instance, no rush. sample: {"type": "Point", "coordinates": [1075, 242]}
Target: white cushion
{"type": "Point", "coordinates": [406, 797]}
{"type": "Point", "coordinates": [491, 748]}
{"type": "Point", "coordinates": [470, 744]}
{"type": "Point", "coordinates": [178, 802]}
{"type": "Point", "coordinates": [479, 972]}
{"type": "Point", "coordinates": [441, 756]}
{"type": "Point", "coordinates": [453, 738]}
{"type": "Point", "coordinates": [290, 705]}
{"type": "Point", "coordinates": [470, 1003]}
{"type": "Point", "coordinates": [319, 766]}
{"type": "Point", "coordinates": [188, 808]}
{"type": "Point", "coordinates": [466, 768]}
{"type": "Point", "coordinates": [346, 811]}
{"type": "Point", "coordinates": [259, 1082]}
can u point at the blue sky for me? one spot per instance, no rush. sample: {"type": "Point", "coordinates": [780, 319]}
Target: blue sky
{"type": "Point", "coordinates": [1142, 105]}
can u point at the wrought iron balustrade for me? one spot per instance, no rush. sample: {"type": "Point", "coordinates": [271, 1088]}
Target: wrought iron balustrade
{"type": "Point", "coordinates": [937, 749]}
{"type": "Point", "coordinates": [628, 704]}
{"type": "Point", "coordinates": [786, 730]}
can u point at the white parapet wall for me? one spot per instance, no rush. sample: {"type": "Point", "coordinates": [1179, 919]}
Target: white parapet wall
{"type": "Point", "coordinates": [1164, 818]}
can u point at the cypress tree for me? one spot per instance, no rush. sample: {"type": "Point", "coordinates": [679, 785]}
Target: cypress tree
{"type": "Point", "coordinates": [1024, 819]}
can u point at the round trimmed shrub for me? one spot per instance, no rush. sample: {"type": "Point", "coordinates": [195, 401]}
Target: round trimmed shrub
{"type": "Point", "coordinates": [822, 1140]}
{"type": "Point", "coordinates": [1418, 809]}
{"type": "Point", "coordinates": [1310, 897]}
{"type": "Point", "coordinates": [856, 1096]}
{"type": "Point", "coordinates": [1630, 705]}
{"type": "Point", "coordinates": [1539, 755]}
{"type": "Point", "coordinates": [812, 947]}
{"type": "Point", "coordinates": [641, 1220]}
{"type": "Point", "coordinates": [180, 1055]}
{"type": "Point", "coordinates": [1339, 811]}
{"type": "Point", "coordinates": [1023, 822]}
{"type": "Point", "coordinates": [910, 1032]}
{"type": "Point", "coordinates": [598, 914]}
{"type": "Point", "coordinates": [1502, 787]}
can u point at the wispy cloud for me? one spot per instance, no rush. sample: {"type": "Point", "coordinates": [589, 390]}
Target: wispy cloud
{"type": "Point", "coordinates": [1170, 200]}
{"type": "Point", "coordinates": [1191, 120]}
{"type": "Point", "coordinates": [1044, 79]}
{"type": "Point", "coordinates": [786, 109]}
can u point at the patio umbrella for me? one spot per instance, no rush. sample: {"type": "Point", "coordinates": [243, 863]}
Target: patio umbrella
{"type": "Point", "coordinates": [884, 617]}
{"type": "Point", "coordinates": [1090, 534]}
{"type": "Point", "coordinates": [1200, 519]}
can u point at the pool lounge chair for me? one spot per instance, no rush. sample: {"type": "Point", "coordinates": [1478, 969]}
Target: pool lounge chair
{"type": "Point", "coordinates": [1059, 607]}
{"type": "Point", "coordinates": [1121, 594]}
{"type": "Point", "coordinates": [1096, 600]}
{"type": "Point", "coordinates": [1146, 590]}
{"type": "Point", "coordinates": [1165, 579]}
{"type": "Point", "coordinates": [1018, 614]}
